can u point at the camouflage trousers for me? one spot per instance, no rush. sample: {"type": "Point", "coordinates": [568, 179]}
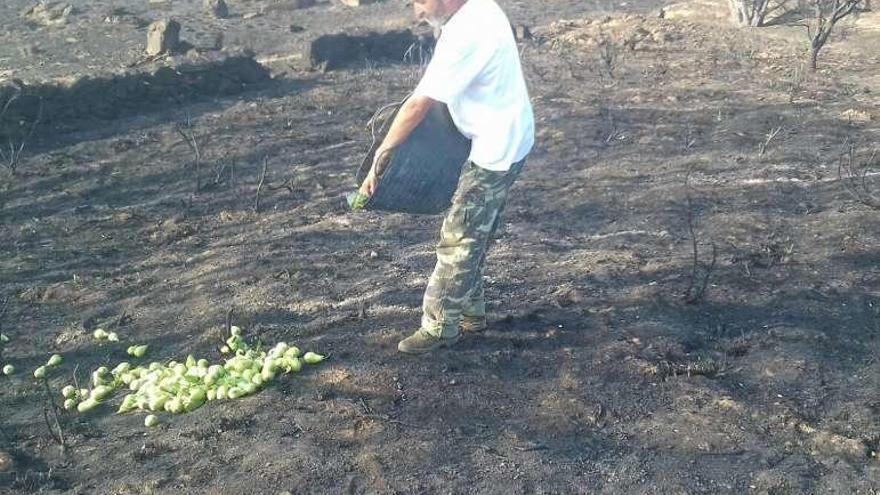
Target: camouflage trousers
{"type": "Point", "coordinates": [456, 285]}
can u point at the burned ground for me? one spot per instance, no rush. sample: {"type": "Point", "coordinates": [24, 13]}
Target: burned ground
{"type": "Point", "coordinates": [596, 375]}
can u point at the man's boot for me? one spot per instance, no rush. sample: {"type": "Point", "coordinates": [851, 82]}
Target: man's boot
{"type": "Point", "coordinates": [422, 342]}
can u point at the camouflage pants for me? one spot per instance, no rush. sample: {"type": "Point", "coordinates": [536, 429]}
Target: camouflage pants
{"type": "Point", "coordinates": [456, 286]}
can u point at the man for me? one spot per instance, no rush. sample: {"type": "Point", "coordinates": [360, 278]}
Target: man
{"type": "Point", "coordinates": [476, 72]}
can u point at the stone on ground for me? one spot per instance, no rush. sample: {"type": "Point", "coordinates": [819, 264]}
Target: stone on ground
{"type": "Point", "coordinates": [163, 37]}
{"type": "Point", "coordinates": [217, 8]}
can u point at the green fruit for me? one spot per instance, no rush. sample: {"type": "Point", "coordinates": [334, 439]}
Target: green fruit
{"type": "Point", "coordinates": [69, 404]}
{"type": "Point", "coordinates": [55, 360]}
{"type": "Point", "coordinates": [140, 350]}
{"type": "Point", "coordinates": [8, 369]}
{"type": "Point", "coordinates": [128, 403]}
{"type": "Point", "coordinates": [151, 420]}
{"type": "Point", "coordinates": [294, 365]}
{"type": "Point", "coordinates": [99, 334]}
{"type": "Point", "coordinates": [221, 392]}
{"type": "Point", "coordinates": [101, 392]}
{"type": "Point", "coordinates": [235, 331]}
{"type": "Point", "coordinates": [312, 358]}
{"type": "Point", "coordinates": [291, 352]}
{"type": "Point", "coordinates": [113, 337]}
{"type": "Point", "coordinates": [40, 372]}
{"type": "Point", "coordinates": [4, 338]}
{"type": "Point", "coordinates": [121, 368]}
{"type": "Point", "coordinates": [157, 402]}
{"type": "Point", "coordinates": [356, 200]}
{"type": "Point", "coordinates": [68, 392]}
{"type": "Point", "coordinates": [174, 406]}
{"type": "Point", "coordinates": [86, 405]}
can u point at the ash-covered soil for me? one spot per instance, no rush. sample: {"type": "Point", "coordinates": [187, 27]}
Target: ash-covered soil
{"type": "Point", "coordinates": [657, 137]}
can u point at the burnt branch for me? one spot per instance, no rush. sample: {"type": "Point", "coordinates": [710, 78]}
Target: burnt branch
{"type": "Point", "coordinates": [697, 284]}
{"type": "Point", "coordinates": [771, 135]}
{"type": "Point", "coordinates": [854, 173]}
{"type": "Point", "coordinates": [187, 131]}
{"type": "Point", "coordinates": [260, 185]}
{"type": "Point", "coordinates": [12, 151]}
{"type": "Point", "coordinates": [54, 426]}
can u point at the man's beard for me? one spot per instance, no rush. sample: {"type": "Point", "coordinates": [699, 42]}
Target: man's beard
{"type": "Point", "coordinates": [436, 24]}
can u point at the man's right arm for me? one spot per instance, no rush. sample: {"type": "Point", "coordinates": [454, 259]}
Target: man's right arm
{"type": "Point", "coordinates": [410, 115]}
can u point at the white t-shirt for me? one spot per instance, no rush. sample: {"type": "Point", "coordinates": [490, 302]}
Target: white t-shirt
{"type": "Point", "coordinates": [476, 72]}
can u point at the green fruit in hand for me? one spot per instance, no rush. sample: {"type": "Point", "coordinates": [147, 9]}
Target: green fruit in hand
{"type": "Point", "coordinates": [356, 200]}
{"type": "Point", "coordinates": [55, 360]}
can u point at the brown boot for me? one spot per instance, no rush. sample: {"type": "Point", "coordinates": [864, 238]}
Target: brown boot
{"type": "Point", "coordinates": [472, 324]}
{"type": "Point", "coordinates": [422, 342]}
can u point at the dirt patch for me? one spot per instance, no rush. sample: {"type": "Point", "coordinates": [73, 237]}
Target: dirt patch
{"type": "Point", "coordinates": [83, 97]}
{"type": "Point", "coordinates": [334, 51]}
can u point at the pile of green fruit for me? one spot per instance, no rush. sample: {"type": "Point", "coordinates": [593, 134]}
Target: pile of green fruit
{"type": "Point", "coordinates": [184, 387]}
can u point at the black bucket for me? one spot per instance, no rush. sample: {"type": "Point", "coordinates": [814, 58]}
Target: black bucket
{"type": "Point", "coordinates": [422, 173]}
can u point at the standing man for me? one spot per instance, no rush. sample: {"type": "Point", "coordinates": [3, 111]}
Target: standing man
{"type": "Point", "coordinates": [476, 72]}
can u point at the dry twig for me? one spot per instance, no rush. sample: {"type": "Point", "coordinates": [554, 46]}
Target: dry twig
{"type": "Point", "coordinates": [696, 290]}
{"type": "Point", "coordinates": [774, 132]}
{"type": "Point", "coordinates": [187, 131]}
{"type": "Point", "coordinates": [853, 174]}
{"type": "Point", "coordinates": [260, 185]}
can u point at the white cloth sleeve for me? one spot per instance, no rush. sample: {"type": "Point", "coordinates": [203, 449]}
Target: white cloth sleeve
{"type": "Point", "coordinates": [452, 69]}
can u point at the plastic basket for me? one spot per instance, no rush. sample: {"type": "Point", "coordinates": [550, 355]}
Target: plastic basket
{"type": "Point", "coordinates": [422, 173]}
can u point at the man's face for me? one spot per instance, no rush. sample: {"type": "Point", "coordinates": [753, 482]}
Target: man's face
{"type": "Point", "coordinates": [430, 11]}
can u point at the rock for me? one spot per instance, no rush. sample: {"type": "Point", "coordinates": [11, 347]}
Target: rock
{"type": "Point", "coordinates": [163, 37]}
{"type": "Point", "coordinates": [7, 464]}
{"type": "Point", "coordinates": [48, 14]}
{"type": "Point", "coordinates": [217, 8]}
{"type": "Point", "coordinates": [289, 4]}
{"type": "Point", "coordinates": [522, 32]}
